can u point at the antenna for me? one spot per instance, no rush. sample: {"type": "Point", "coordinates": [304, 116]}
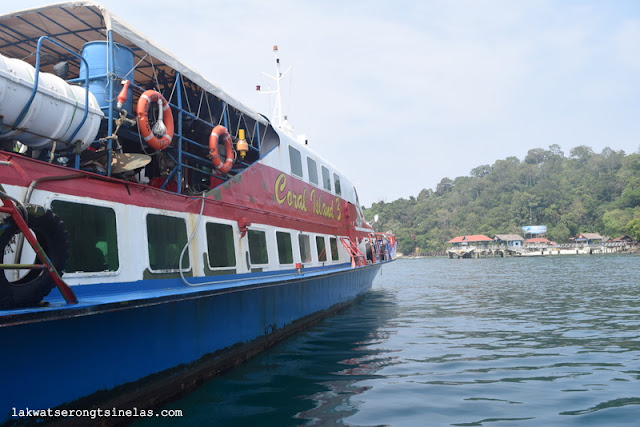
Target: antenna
{"type": "Point", "coordinates": [277, 115]}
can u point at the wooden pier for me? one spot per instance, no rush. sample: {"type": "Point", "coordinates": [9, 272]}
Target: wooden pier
{"type": "Point", "coordinates": [560, 249]}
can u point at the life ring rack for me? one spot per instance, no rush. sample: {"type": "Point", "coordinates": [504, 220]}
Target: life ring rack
{"type": "Point", "coordinates": [144, 127]}
{"type": "Point", "coordinates": [217, 133]}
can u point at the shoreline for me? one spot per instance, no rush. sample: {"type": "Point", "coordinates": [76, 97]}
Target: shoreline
{"type": "Point", "coordinates": [534, 253]}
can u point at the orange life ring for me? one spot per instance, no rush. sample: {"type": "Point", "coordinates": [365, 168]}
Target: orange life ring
{"type": "Point", "coordinates": [144, 127]}
{"type": "Point", "coordinates": [216, 133]}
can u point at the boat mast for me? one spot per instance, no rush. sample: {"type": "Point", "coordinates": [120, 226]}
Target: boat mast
{"type": "Point", "coordinates": [277, 116]}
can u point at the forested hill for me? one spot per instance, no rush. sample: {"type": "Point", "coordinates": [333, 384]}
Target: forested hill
{"type": "Point", "coordinates": [582, 192]}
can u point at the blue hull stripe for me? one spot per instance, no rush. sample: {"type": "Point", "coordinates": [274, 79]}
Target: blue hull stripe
{"type": "Point", "coordinates": [71, 353]}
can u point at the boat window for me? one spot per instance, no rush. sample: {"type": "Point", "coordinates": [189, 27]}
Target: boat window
{"type": "Point", "coordinates": [222, 252]}
{"type": "Point", "coordinates": [93, 240]}
{"type": "Point", "coordinates": [336, 184]}
{"type": "Point", "coordinates": [333, 242]}
{"type": "Point", "coordinates": [258, 247]}
{"type": "Point", "coordinates": [322, 250]}
{"type": "Point", "coordinates": [313, 170]}
{"type": "Point", "coordinates": [285, 250]}
{"type": "Point", "coordinates": [359, 215]}
{"type": "Point", "coordinates": [305, 248]}
{"type": "Point", "coordinates": [296, 161]}
{"type": "Point", "coordinates": [326, 178]}
{"type": "Point", "coordinates": [167, 236]}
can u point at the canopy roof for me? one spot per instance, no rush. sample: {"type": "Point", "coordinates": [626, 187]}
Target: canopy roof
{"type": "Point", "coordinates": [507, 237]}
{"type": "Point", "coordinates": [538, 240]}
{"type": "Point", "coordinates": [589, 236]}
{"type": "Point", "coordinates": [471, 239]}
{"type": "Point", "coordinates": [78, 22]}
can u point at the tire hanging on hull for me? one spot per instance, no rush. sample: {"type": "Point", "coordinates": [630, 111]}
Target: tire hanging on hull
{"type": "Point", "coordinates": [51, 234]}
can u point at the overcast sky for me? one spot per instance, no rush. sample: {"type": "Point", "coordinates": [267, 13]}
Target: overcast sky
{"type": "Point", "coordinates": [399, 94]}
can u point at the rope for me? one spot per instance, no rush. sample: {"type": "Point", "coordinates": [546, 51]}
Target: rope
{"type": "Point", "coordinates": [173, 90]}
{"type": "Point", "coordinates": [154, 73]}
{"type": "Point", "coordinates": [53, 151]}
{"type": "Point", "coordinates": [184, 91]}
{"type": "Point", "coordinates": [226, 107]}
{"type": "Point", "coordinates": [136, 65]}
{"type": "Point", "coordinates": [200, 104]}
{"type": "Point", "coordinates": [209, 109]}
{"type": "Point", "coordinates": [243, 119]}
{"type": "Point", "coordinates": [19, 205]}
{"type": "Point", "coordinates": [195, 229]}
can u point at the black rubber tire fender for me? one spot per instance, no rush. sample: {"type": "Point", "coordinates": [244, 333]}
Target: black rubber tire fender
{"type": "Point", "coordinates": [369, 252]}
{"type": "Point", "coordinates": [52, 236]}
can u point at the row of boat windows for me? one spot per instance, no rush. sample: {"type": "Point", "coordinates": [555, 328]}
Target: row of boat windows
{"type": "Point", "coordinates": [94, 243]}
{"type": "Point", "coordinates": [260, 255]}
{"type": "Point", "coordinates": [295, 159]}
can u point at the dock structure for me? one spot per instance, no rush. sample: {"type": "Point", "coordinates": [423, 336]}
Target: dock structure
{"type": "Point", "coordinates": [578, 249]}
{"type": "Point", "coordinates": [532, 247]}
{"type": "Point", "coordinates": [469, 246]}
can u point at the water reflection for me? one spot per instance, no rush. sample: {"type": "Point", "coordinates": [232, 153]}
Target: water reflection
{"type": "Point", "coordinates": [550, 340]}
{"type": "Point", "coordinates": [305, 380]}
{"type": "Point", "coordinates": [542, 341]}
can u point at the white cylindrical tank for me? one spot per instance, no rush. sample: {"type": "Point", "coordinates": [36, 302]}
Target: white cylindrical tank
{"type": "Point", "coordinates": [54, 114]}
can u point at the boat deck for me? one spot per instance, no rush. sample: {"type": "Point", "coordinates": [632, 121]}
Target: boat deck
{"type": "Point", "coordinates": [94, 299]}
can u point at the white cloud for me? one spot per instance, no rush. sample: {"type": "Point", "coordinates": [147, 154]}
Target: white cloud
{"type": "Point", "coordinates": [400, 94]}
{"type": "Point", "coordinates": [628, 43]}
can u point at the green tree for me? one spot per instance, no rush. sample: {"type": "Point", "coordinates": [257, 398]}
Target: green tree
{"type": "Point", "coordinates": [633, 226]}
{"type": "Point", "coordinates": [559, 233]}
{"type": "Point", "coordinates": [587, 191]}
{"type": "Point", "coordinates": [615, 222]}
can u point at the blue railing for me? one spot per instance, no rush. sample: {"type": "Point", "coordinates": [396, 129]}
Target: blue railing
{"type": "Point", "coordinates": [186, 153]}
{"type": "Point", "coordinates": [34, 91]}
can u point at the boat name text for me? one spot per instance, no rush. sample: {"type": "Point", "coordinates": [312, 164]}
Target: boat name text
{"type": "Point", "coordinates": [300, 201]}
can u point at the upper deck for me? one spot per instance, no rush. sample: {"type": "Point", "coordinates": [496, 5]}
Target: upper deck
{"type": "Point", "coordinates": [83, 43]}
{"type": "Point", "coordinates": [88, 46]}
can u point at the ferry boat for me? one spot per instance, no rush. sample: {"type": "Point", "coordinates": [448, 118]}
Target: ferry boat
{"type": "Point", "coordinates": [154, 231]}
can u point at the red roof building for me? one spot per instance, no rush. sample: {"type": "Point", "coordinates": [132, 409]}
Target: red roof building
{"type": "Point", "coordinates": [589, 238]}
{"type": "Point", "coordinates": [476, 238]}
{"type": "Point", "coordinates": [539, 240]}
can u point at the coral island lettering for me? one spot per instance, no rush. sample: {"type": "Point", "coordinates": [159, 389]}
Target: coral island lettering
{"type": "Point", "coordinates": [299, 200]}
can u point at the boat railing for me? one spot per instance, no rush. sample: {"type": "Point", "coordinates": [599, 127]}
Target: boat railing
{"type": "Point", "coordinates": [189, 154]}
{"type": "Point", "coordinates": [196, 112]}
{"type": "Point", "coordinates": [357, 257]}
{"type": "Point", "coordinates": [384, 245]}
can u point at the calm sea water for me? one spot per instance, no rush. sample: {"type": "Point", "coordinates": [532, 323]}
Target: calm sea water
{"type": "Point", "coordinates": [493, 342]}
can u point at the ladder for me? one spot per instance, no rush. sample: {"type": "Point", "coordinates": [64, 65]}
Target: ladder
{"type": "Point", "coordinates": [357, 257]}
{"type": "Point", "coordinates": [10, 206]}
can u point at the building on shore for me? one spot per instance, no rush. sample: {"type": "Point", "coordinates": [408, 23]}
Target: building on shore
{"type": "Point", "coordinates": [589, 239]}
{"type": "Point", "coordinates": [468, 246]}
{"type": "Point", "coordinates": [509, 240]}
{"type": "Point", "coordinates": [624, 239]}
{"type": "Point", "coordinates": [539, 242]}
{"type": "Point", "coordinates": [478, 246]}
